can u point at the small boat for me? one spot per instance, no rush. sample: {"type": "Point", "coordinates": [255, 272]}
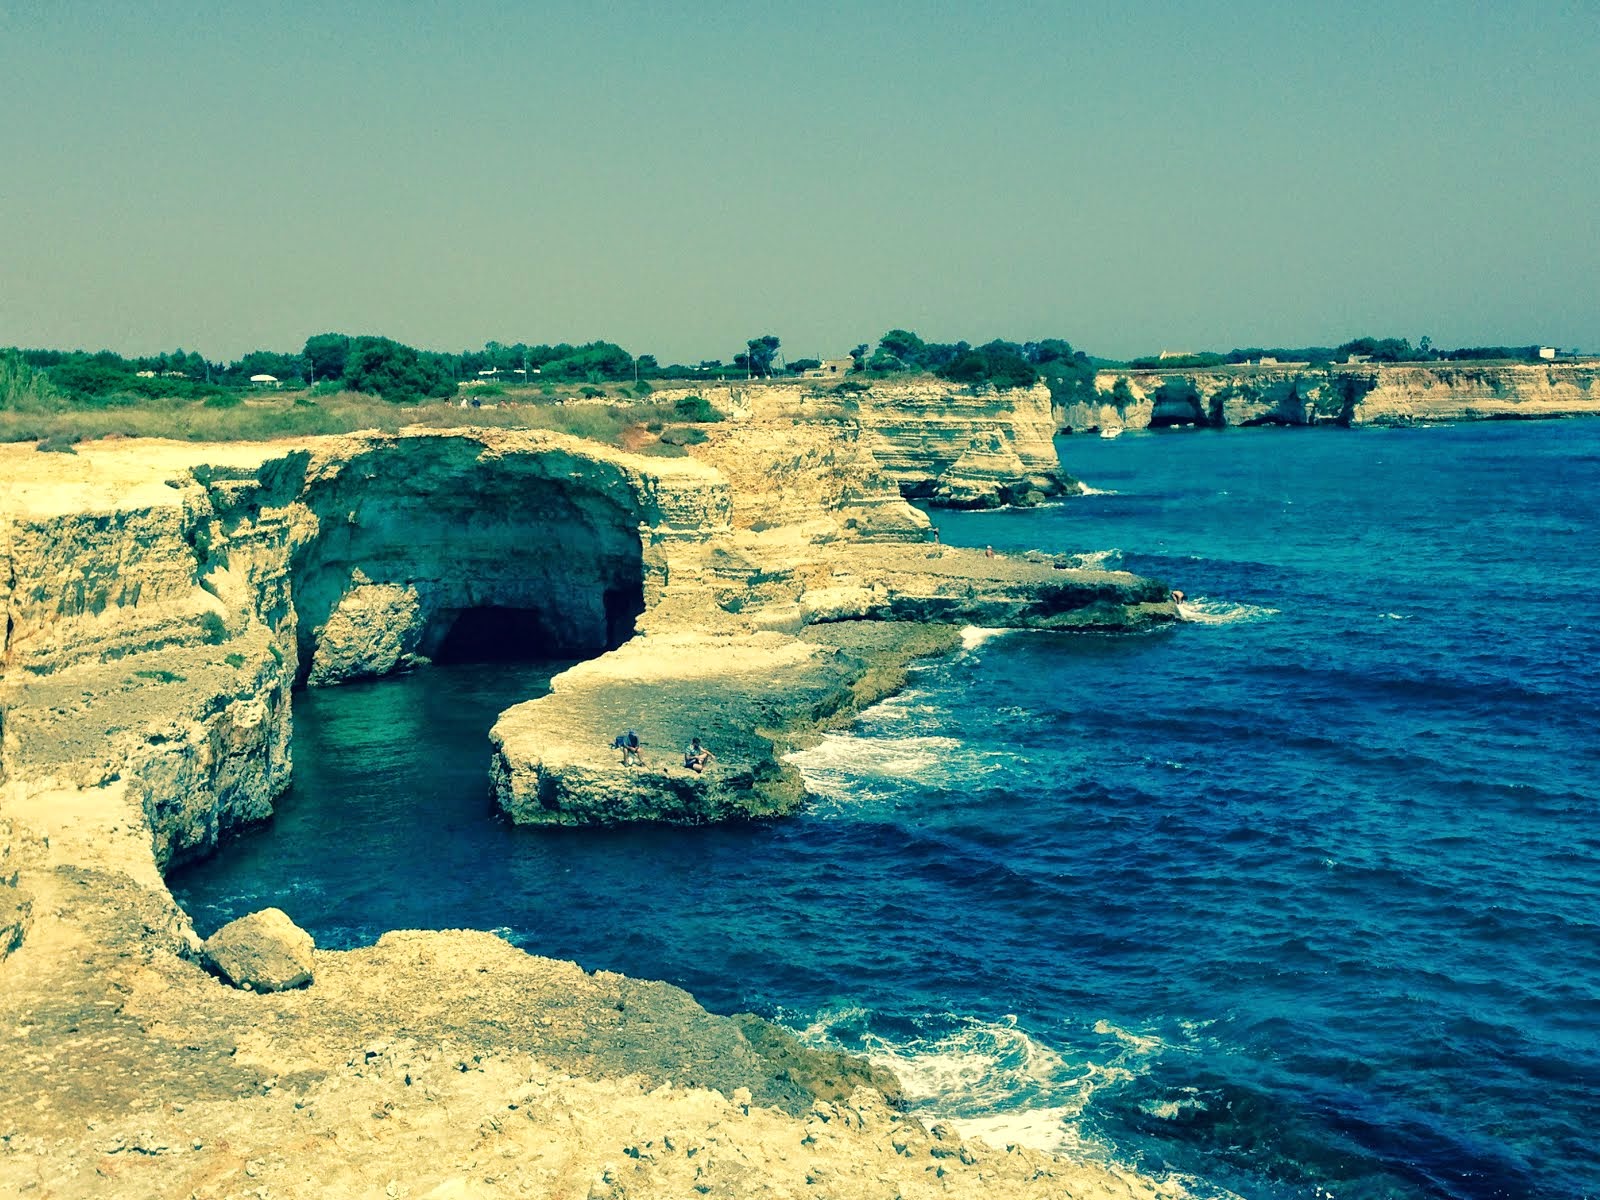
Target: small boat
{"type": "Point", "coordinates": [1111, 433]}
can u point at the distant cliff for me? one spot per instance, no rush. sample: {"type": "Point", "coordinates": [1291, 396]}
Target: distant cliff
{"type": "Point", "coordinates": [948, 443]}
{"type": "Point", "coordinates": [1366, 394]}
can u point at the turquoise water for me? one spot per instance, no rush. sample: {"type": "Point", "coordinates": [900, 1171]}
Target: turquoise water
{"type": "Point", "coordinates": [1299, 899]}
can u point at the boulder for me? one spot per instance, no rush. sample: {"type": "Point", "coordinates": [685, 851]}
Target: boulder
{"type": "Point", "coordinates": [264, 952]}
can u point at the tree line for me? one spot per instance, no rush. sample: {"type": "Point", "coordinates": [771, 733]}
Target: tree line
{"type": "Point", "coordinates": [1371, 349]}
{"type": "Point", "coordinates": [407, 375]}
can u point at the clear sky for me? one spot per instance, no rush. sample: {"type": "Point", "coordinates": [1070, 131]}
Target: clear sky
{"type": "Point", "coordinates": [679, 177]}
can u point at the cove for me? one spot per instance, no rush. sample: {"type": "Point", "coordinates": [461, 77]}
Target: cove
{"type": "Point", "coordinates": [1294, 899]}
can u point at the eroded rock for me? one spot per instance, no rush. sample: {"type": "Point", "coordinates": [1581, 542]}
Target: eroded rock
{"type": "Point", "coordinates": [264, 952]}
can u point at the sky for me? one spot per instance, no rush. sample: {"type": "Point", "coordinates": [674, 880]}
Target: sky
{"type": "Point", "coordinates": [681, 177]}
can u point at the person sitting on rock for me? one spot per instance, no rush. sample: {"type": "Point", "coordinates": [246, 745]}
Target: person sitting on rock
{"type": "Point", "coordinates": [696, 756]}
{"type": "Point", "coordinates": [628, 743]}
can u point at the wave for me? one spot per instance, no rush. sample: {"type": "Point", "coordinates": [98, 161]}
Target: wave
{"type": "Point", "coordinates": [847, 767]}
{"type": "Point", "coordinates": [974, 636]}
{"type": "Point", "coordinates": [992, 1080]}
{"type": "Point", "coordinates": [1094, 491]}
{"type": "Point", "coordinates": [1202, 610]}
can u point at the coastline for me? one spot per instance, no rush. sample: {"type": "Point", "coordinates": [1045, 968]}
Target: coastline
{"type": "Point", "coordinates": [180, 629]}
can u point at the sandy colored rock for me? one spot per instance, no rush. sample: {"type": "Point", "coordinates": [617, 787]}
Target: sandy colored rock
{"type": "Point", "coordinates": [160, 601]}
{"type": "Point", "coordinates": [264, 952]}
{"type": "Point", "coordinates": [1353, 394]}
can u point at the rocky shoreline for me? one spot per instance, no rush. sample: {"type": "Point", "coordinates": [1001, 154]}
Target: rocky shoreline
{"type": "Point", "coordinates": [161, 602]}
{"type": "Point", "coordinates": [1342, 396]}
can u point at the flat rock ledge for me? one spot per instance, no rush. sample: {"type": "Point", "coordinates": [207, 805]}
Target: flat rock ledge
{"type": "Point", "coordinates": [753, 697]}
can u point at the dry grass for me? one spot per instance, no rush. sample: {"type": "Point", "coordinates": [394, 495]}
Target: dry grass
{"type": "Point", "coordinates": [616, 421]}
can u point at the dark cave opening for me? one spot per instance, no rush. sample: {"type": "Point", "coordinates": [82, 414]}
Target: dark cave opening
{"type": "Point", "coordinates": [497, 634]}
{"type": "Point", "coordinates": [623, 606]}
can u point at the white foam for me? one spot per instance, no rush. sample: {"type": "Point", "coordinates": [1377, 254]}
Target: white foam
{"type": "Point", "coordinates": [848, 768]}
{"type": "Point", "coordinates": [993, 1081]}
{"type": "Point", "coordinates": [1094, 491]}
{"type": "Point", "coordinates": [1202, 610]}
{"type": "Point", "coordinates": [974, 636]}
{"type": "Point", "coordinates": [1391, 616]}
{"type": "Point", "coordinates": [1141, 1044]}
{"type": "Point", "coordinates": [901, 757]}
{"type": "Point", "coordinates": [1100, 560]}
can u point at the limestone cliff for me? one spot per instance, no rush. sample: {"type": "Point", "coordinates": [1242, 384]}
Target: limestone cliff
{"type": "Point", "coordinates": [159, 603]}
{"type": "Point", "coordinates": [954, 445]}
{"type": "Point", "coordinates": [164, 598]}
{"type": "Point", "coordinates": [1367, 394]}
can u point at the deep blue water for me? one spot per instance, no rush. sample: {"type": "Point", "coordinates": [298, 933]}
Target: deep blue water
{"type": "Point", "coordinates": [1299, 899]}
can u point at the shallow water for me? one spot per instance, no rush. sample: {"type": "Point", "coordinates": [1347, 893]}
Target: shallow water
{"type": "Point", "coordinates": [1299, 899]}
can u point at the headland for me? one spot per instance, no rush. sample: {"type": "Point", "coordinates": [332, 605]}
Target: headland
{"type": "Point", "coordinates": [162, 602]}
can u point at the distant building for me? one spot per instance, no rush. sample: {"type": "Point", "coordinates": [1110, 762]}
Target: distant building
{"type": "Point", "coordinates": [1177, 354]}
{"type": "Point", "coordinates": [145, 374]}
{"type": "Point", "coordinates": [1355, 359]}
{"type": "Point", "coordinates": [1547, 353]}
{"type": "Point", "coordinates": [833, 368]}
{"type": "Point", "coordinates": [264, 381]}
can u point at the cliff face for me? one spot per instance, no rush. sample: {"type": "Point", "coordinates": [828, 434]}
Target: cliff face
{"type": "Point", "coordinates": [160, 600]}
{"type": "Point", "coordinates": [1369, 394]}
{"type": "Point", "coordinates": [163, 599]}
{"type": "Point", "coordinates": [953, 445]}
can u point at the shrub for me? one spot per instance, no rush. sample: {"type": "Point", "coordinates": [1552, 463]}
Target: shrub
{"type": "Point", "coordinates": [697, 408]}
{"type": "Point", "coordinates": [592, 393]}
{"type": "Point", "coordinates": [212, 629]}
{"type": "Point", "coordinates": [223, 400]}
{"type": "Point", "coordinates": [58, 443]}
{"type": "Point", "coordinates": [23, 389]}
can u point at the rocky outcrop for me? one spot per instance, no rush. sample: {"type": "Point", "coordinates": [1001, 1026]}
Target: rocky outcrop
{"type": "Point", "coordinates": [160, 603]}
{"type": "Point", "coordinates": [262, 952]}
{"type": "Point", "coordinates": [953, 445]}
{"type": "Point", "coordinates": [753, 695]}
{"type": "Point", "coordinates": [166, 597]}
{"type": "Point", "coordinates": [440, 1064]}
{"type": "Point", "coordinates": [1366, 394]}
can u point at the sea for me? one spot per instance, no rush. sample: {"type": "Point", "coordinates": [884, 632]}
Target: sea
{"type": "Point", "coordinates": [1300, 898]}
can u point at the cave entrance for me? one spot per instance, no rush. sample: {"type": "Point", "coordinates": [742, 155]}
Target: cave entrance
{"type": "Point", "coordinates": [623, 606]}
{"type": "Point", "coordinates": [497, 634]}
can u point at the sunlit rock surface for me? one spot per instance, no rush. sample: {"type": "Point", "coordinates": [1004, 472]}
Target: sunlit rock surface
{"type": "Point", "coordinates": [1356, 394]}
{"type": "Point", "coordinates": [159, 603]}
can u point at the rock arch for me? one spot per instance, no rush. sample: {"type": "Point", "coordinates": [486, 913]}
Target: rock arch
{"type": "Point", "coordinates": [430, 546]}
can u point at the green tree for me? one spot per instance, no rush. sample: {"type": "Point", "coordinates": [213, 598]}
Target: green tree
{"type": "Point", "coordinates": [325, 356]}
{"type": "Point", "coordinates": [999, 363]}
{"type": "Point", "coordinates": [903, 345]}
{"type": "Point", "coordinates": [592, 362]}
{"type": "Point", "coordinates": [761, 351]}
{"type": "Point", "coordinates": [398, 373]}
